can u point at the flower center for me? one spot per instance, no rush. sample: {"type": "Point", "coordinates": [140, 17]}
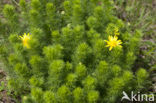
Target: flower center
{"type": "Point", "coordinates": [113, 43]}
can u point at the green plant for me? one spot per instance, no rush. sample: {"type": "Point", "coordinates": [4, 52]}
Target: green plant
{"type": "Point", "coordinates": [65, 58]}
{"type": "Point", "coordinates": [2, 86]}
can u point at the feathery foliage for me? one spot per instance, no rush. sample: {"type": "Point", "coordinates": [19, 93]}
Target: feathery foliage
{"type": "Point", "coordinates": [67, 60]}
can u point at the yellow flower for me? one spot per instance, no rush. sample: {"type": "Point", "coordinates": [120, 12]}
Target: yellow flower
{"type": "Point", "coordinates": [113, 42]}
{"type": "Point", "coordinates": [25, 38]}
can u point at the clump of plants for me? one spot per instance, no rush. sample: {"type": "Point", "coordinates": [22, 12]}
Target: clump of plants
{"type": "Point", "coordinates": [71, 51]}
